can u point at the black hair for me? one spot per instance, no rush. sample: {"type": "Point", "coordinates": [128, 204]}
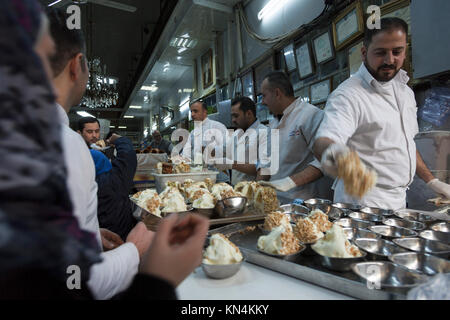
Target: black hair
{"type": "Point", "coordinates": [203, 103]}
{"type": "Point", "coordinates": [386, 24]}
{"type": "Point", "coordinates": [245, 104]}
{"type": "Point", "coordinates": [280, 80]}
{"type": "Point", "coordinates": [68, 42]}
{"type": "Point", "coordinates": [84, 120]}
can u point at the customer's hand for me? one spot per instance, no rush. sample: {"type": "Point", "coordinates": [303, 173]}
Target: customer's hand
{"type": "Point", "coordinates": [177, 248]}
{"type": "Point", "coordinates": [283, 185]}
{"type": "Point", "coordinates": [110, 240]}
{"type": "Point", "coordinates": [330, 156]}
{"type": "Point", "coordinates": [113, 138]}
{"type": "Point", "coordinates": [141, 237]}
{"type": "Point", "coordinates": [441, 188]}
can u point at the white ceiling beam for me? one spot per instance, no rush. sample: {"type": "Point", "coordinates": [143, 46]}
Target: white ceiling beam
{"type": "Point", "coordinates": [214, 6]}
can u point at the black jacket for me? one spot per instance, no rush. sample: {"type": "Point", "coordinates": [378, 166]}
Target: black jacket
{"type": "Point", "coordinates": [114, 186]}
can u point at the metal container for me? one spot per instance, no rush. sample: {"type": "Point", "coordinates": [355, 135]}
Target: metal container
{"type": "Point", "coordinates": [355, 233]}
{"type": "Point", "coordinates": [391, 232]}
{"type": "Point", "coordinates": [353, 223]}
{"type": "Point", "coordinates": [162, 179]}
{"type": "Point", "coordinates": [221, 271]}
{"type": "Point", "coordinates": [347, 206]}
{"type": "Point", "coordinates": [230, 206]}
{"type": "Point", "coordinates": [206, 212]}
{"type": "Point", "coordinates": [435, 236]}
{"type": "Point", "coordinates": [291, 256]}
{"type": "Point", "coordinates": [422, 262]}
{"type": "Point", "coordinates": [189, 209]}
{"type": "Point", "coordinates": [414, 225]}
{"type": "Point", "coordinates": [321, 204]}
{"type": "Point", "coordinates": [415, 216]}
{"type": "Point", "coordinates": [339, 264]}
{"type": "Point", "coordinates": [424, 246]}
{"type": "Point", "coordinates": [365, 216]}
{"type": "Point", "coordinates": [378, 211]}
{"type": "Point", "coordinates": [336, 213]}
{"type": "Point", "coordinates": [441, 227]}
{"type": "Point", "coordinates": [378, 248]}
{"type": "Point", "coordinates": [383, 274]}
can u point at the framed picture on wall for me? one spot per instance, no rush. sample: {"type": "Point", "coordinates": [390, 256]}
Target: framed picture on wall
{"type": "Point", "coordinates": [304, 60]}
{"type": "Point", "coordinates": [207, 69]}
{"type": "Point", "coordinates": [289, 57]}
{"type": "Point", "coordinates": [354, 58]}
{"type": "Point", "coordinates": [348, 25]}
{"type": "Point", "coordinates": [398, 9]}
{"type": "Point", "coordinates": [247, 85]}
{"type": "Point", "coordinates": [262, 70]}
{"type": "Point", "coordinates": [303, 94]}
{"type": "Point", "coordinates": [319, 91]}
{"type": "Point", "coordinates": [323, 48]}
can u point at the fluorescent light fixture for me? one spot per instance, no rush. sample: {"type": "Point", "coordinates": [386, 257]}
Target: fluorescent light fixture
{"type": "Point", "coordinates": [112, 127]}
{"type": "Point", "coordinates": [122, 127]}
{"type": "Point", "coordinates": [165, 69]}
{"type": "Point", "coordinates": [128, 117]}
{"type": "Point", "coordinates": [270, 8]}
{"type": "Point", "coordinates": [181, 50]}
{"type": "Point", "coordinates": [84, 114]}
{"type": "Point", "coordinates": [54, 3]}
{"type": "Point", "coordinates": [135, 107]}
{"type": "Point", "coordinates": [151, 88]}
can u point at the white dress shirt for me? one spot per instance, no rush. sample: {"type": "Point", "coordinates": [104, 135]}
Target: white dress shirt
{"type": "Point", "coordinates": [378, 121]}
{"type": "Point", "coordinates": [119, 266]}
{"type": "Point", "coordinates": [297, 129]}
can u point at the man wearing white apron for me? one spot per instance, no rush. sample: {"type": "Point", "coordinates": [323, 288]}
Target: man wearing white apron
{"type": "Point", "coordinates": [374, 113]}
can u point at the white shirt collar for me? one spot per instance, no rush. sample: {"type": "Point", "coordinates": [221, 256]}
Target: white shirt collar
{"type": "Point", "coordinates": [401, 77]}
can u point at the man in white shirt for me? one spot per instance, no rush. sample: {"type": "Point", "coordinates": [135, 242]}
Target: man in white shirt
{"type": "Point", "coordinates": [119, 266]}
{"type": "Point", "coordinates": [299, 174]}
{"type": "Point", "coordinates": [249, 142]}
{"type": "Point", "coordinates": [374, 113]}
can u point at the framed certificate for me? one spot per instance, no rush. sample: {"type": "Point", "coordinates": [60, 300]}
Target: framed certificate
{"type": "Point", "coordinates": [304, 61]}
{"type": "Point", "coordinates": [247, 85]}
{"type": "Point", "coordinates": [207, 71]}
{"type": "Point", "coordinates": [323, 48]}
{"type": "Point", "coordinates": [398, 9]}
{"type": "Point", "coordinates": [348, 26]}
{"type": "Point", "coordinates": [319, 91]}
{"type": "Point", "coordinates": [354, 58]}
{"type": "Point", "coordinates": [303, 94]}
{"type": "Point", "coordinates": [289, 57]}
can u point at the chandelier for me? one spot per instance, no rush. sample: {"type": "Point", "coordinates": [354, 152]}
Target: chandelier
{"type": "Point", "coordinates": [101, 90]}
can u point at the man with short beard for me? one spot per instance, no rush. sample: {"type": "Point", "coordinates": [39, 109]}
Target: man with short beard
{"type": "Point", "coordinates": [374, 113]}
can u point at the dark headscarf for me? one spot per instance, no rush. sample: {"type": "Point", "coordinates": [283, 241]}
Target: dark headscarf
{"type": "Point", "coordinates": [37, 227]}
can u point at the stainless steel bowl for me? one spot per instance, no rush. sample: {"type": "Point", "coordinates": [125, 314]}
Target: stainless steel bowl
{"type": "Point", "coordinates": [365, 216]}
{"type": "Point", "coordinates": [221, 271]}
{"type": "Point", "coordinates": [189, 209]}
{"type": "Point", "coordinates": [378, 248]}
{"type": "Point", "coordinates": [339, 264]}
{"type": "Point", "coordinates": [441, 226]}
{"type": "Point", "coordinates": [353, 223]}
{"type": "Point", "coordinates": [435, 236]}
{"type": "Point", "coordinates": [415, 216]}
{"type": "Point", "coordinates": [422, 262]}
{"type": "Point", "coordinates": [294, 211]}
{"type": "Point", "coordinates": [354, 233]}
{"type": "Point", "coordinates": [347, 206]}
{"type": "Point", "coordinates": [390, 232]}
{"type": "Point", "coordinates": [385, 274]}
{"type": "Point", "coordinates": [336, 213]}
{"type": "Point", "coordinates": [378, 211]}
{"type": "Point", "coordinates": [321, 204]}
{"type": "Point", "coordinates": [230, 206]}
{"type": "Point", "coordinates": [206, 212]}
{"type": "Point", "coordinates": [285, 256]}
{"type": "Point", "coordinates": [414, 225]}
{"type": "Point", "coordinates": [424, 246]}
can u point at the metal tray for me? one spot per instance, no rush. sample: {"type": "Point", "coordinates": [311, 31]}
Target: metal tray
{"type": "Point", "coordinates": [307, 268]}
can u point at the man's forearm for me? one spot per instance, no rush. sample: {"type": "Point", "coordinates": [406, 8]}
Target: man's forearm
{"type": "Point", "coordinates": [306, 176]}
{"type": "Point", "coordinates": [248, 169]}
{"type": "Point", "coordinates": [422, 170]}
{"type": "Point", "coordinates": [320, 146]}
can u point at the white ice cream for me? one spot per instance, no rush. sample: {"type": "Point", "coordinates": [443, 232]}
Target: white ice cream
{"type": "Point", "coordinates": [334, 244]}
{"type": "Point", "coordinates": [206, 201]}
{"type": "Point", "coordinates": [221, 251]}
{"type": "Point", "coordinates": [174, 202]}
{"type": "Point", "coordinates": [218, 188]}
{"type": "Point", "coordinates": [272, 243]}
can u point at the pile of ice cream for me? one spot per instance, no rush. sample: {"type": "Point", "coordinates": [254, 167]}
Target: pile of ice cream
{"type": "Point", "coordinates": [311, 228]}
{"type": "Point", "coordinates": [221, 251]}
{"type": "Point", "coordinates": [335, 244]}
{"type": "Point", "coordinates": [280, 240]}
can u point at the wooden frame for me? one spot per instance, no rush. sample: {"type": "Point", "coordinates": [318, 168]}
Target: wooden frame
{"type": "Point", "coordinates": [354, 57]}
{"type": "Point", "coordinates": [304, 63]}
{"type": "Point", "coordinates": [323, 42]}
{"type": "Point", "coordinates": [207, 69]}
{"type": "Point", "coordinates": [349, 25]}
{"type": "Point", "coordinates": [319, 85]}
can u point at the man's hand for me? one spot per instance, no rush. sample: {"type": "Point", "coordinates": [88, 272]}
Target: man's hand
{"type": "Point", "coordinates": [110, 240]}
{"type": "Point", "coordinates": [177, 248]}
{"type": "Point", "coordinates": [283, 185]}
{"type": "Point", "coordinates": [330, 156]}
{"type": "Point", "coordinates": [113, 138]}
{"type": "Point", "coordinates": [141, 237]}
{"type": "Point", "coordinates": [440, 188]}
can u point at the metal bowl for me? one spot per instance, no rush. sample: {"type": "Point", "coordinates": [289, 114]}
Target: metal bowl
{"type": "Point", "coordinates": [414, 225]}
{"type": "Point", "coordinates": [385, 274]}
{"type": "Point", "coordinates": [425, 246]}
{"type": "Point", "coordinates": [390, 232]}
{"type": "Point", "coordinates": [441, 226]}
{"type": "Point", "coordinates": [422, 262]}
{"type": "Point", "coordinates": [188, 210]}
{"type": "Point", "coordinates": [221, 271]}
{"type": "Point", "coordinates": [378, 248]}
{"type": "Point", "coordinates": [294, 211]}
{"type": "Point", "coordinates": [435, 236]}
{"type": "Point", "coordinates": [415, 216]}
{"type": "Point", "coordinates": [206, 212]}
{"type": "Point", "coordinates": [336, 213]}
{"type": "Point", "coordinates": [339, 264]}
{"type": "Point", "coordinates": [285, 256]}
{"type": "Point", "coordinates": [347, 206]}
{"type": "Point", "coordinates": [321, 204]}
{"type": "Point", "coordinates": [378, 211]}
{"type": "Point", "coordinates": [354, 233]}
{"type": "Point", "coordinates": [353, 223]}
{"type": "Point", "coordinates": [230, 206]}
{"type": "Point", "coordinates": [365, 216]}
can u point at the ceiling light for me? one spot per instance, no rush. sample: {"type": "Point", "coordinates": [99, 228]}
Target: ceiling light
{"type": "Point", "coordinates": [54, 3]}
{"type": "Point", "coordinates": [128, 117]}
{"type": "Point", "coordinates": [122, 127]}
{"type": "Point", "coordinates": [181, 50]}
{"type": "Point", "coordinates": [135, 107]}
{"type": "Point", "coordinates": [84, 114]}
{"type": "Point", "coordinates": [112, 127]}
{"type": "Point", "coordinates": [151, 88]}
{"type": "Point", "coordinates": [270, 8]}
